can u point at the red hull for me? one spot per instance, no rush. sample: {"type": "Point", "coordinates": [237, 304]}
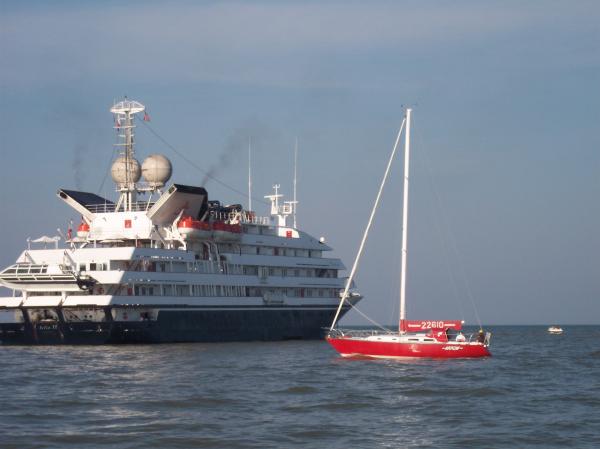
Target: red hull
{"type": "Point", "coordinates": [359, 347]}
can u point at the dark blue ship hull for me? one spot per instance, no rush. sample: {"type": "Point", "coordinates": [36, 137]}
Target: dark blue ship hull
{"type": "Point", "coordinates": [181, 325]}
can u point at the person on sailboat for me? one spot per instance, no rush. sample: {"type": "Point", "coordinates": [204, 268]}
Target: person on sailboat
{"type": "Point", "coordinates": [481, 336]}
{"type": "Point", "coordinates": [460, 337]}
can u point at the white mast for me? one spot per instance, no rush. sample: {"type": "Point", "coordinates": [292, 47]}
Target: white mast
{"type": "Point", "coordinates": [249, 173]}
{"type": "Point", "coordinates": [401, 326]}
{"type": "Point", "coordinates": [295, 180]}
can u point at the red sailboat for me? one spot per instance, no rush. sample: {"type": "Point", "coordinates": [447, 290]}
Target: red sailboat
{"type": "Point", "coordinates": [427, 338]}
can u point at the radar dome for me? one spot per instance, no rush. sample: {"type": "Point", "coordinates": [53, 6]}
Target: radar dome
{"type": "Point", "coordinates": [123, 172]}
{"type": "Point", "coordinates": [157, 170]}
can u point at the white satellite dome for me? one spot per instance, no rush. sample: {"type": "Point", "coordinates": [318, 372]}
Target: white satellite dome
{"type": "Point", "coordinates": [123, 172]}
{"type": "Point", "coordinates": [157, 170]}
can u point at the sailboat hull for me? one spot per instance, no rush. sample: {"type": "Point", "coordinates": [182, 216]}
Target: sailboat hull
{"type": "Point", "coordinates": [368, 347]}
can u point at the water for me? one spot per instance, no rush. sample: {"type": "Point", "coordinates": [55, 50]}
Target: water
{"type": "Point", "coordinates": [537, 391]}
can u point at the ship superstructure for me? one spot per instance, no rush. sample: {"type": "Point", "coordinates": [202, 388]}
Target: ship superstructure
{"type": "Point", "coordinates": [165, 264]}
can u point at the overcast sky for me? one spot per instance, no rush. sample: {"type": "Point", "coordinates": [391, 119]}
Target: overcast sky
{"type": "Point", "coordinates": [506, 174]}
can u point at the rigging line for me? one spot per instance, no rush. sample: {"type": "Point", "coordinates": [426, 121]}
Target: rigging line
{"type": "Point", "coordinates": [364, 315]}
{"type": "Point", "coordinates": [186, 159]}
{"type": "Point", "coordinates": [107, 170]}
{"type": "Point", "coordinates": [366, 233]}
{"type": "Point", "coordinates": [454, 246]}
{"type": "Point", "coordinates": [422, 158]}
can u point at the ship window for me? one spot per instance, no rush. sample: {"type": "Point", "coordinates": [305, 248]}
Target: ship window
{"type": "Point", "coordinates": [179, 267]}
{"type": "Point", "coordinates": [182, 290]}
{"type": "Point", "coordinates": [266, 250]}
{"type": "Point", "coordinates": [246, 249]}
{"type": "Point", "coordinates": [263, 272]}
{"type": "Point", "coordinates": [81, 267]}
{"type": "Point", "coordinates": [98, 266]}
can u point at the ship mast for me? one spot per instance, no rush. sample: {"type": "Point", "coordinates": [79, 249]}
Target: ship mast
{"type": "Point", "coordinates": [295, 202]}
{"type": "Point", "coordinates": [127, 171]}
{"type": "Point", "coordinates": [249, 173]}
{"type": "Point", "coordinates": [402, 326]}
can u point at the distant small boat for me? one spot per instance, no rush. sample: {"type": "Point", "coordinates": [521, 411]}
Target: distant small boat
{"type": "Point", "coordinates": [555, 330]}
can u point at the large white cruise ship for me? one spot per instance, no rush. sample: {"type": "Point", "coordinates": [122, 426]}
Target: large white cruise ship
{"type": "Point", "coordinates": [165, 264]}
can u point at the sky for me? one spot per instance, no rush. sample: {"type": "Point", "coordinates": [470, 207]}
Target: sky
{"type": "Point", "coordinates": [505, 173]}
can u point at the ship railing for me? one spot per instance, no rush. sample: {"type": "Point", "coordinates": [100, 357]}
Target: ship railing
{"type": "Point", "coordinates": [140, 206]}
{"type": "Point", "coordinates": [359, 333]}
{"type": "Point", "coordinates": [253, 219]}
{"type": "Point", "coordinates": [488, 338]}
{"type": "Point", "coordinates": [33, 273]}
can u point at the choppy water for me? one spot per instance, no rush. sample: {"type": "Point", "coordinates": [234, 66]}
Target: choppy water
{"type": "Point", "coordinates": [538, 391]}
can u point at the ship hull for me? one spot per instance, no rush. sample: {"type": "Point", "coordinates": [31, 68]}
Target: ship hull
{"type": "Point", "coordinates": [181, 325]}
{"type": "Point", "coordinates": [358, 347]}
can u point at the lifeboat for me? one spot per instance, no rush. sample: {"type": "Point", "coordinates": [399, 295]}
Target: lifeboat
{"type": "Point", "coordinates": [227, 232]}
{"type": "Point", "coordinates": [194, 229]}
{"type": "Point", "coordinates": [83, 230]}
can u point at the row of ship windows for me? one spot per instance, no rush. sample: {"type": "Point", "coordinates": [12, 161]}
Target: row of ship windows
{"type": "Point", "coordinates": [208, 267]}
{"type": "Point", "coordinates": [274, 251]}
{"type": "Point", "coordinates": [236, 248]}
{"type": "Point", "coordinates": [224, 290]}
